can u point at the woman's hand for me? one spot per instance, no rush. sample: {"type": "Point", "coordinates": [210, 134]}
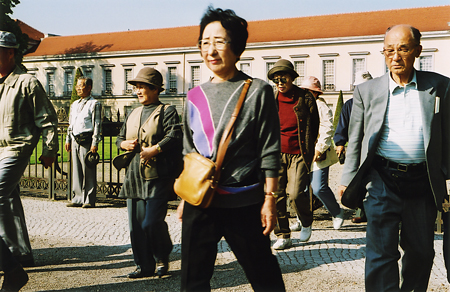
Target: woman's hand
{"type": "Point", "coordinates": [129, 145]}
{"type": "Point", "coordinates": [149, 152]}
{"type": "Point", "coordinates": [269, 214]}
{"type": "Point", "coordinates": [180, 211]}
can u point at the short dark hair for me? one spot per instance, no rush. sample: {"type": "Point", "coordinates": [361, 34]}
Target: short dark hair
{"type": "Point", "coordinates": [415, 33]}
{"type": "Point", "coordinates": [235, 26]}
{"type": "Point", "coordinates": [87, 80]}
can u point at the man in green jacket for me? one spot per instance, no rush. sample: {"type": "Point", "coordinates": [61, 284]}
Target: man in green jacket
{"type": "Point", "coordinates": [26, 113]}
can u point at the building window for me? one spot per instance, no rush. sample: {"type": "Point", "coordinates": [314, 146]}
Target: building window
{"type": "Point", "coordinates": [107, 86]}
{"type": "Point", "coordinates": [172, 80]}
{"type": "Point", "coordinates": [245, 67]}
{"type": "Point", "coordinates": [195, 76]}
{"type": "Point", "coordinates": [68, 81]}
{"type": "Point", "coordinates": [107, 114]}
{"type": "Point", "coordinates": [87, 72]}
{"type": "Point", "coordinates": [328, 75]}
{"type": "Point", "coordinates": [127, 110]}
{"type": "Point", "coordinates": [359, 65]}
{"type": "Point", "coordinates": [300, 68]}
{"type": "Point", "coordinates": [128, 73]}
{"type": "Point", "coordinates": [269, 65]}
{"type": "Point", "coordinates": [51, 83]}
{"type": "Point", "coordinates": [426, 63]}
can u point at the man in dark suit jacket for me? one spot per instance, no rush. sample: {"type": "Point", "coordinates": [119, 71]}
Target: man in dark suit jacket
{"type": "Point", "coordinates": [399, 150]}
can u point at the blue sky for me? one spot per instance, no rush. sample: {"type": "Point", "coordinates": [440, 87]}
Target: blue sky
{"type": "Point", "coordinates": [64, 17]}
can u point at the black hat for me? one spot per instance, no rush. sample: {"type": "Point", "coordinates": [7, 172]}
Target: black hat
{"type": "Point", "coordinates": [123, 160]}
{"type": "Point", "coordinates": [282, 66]}
{"type": "Point", "coordinates": [91, 159]}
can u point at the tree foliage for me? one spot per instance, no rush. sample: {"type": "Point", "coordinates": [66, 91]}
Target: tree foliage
{"type": "Point", "coordinates": [75, 96]}
{"type": "Point", "coordinates": [8, 24]}
{"type": "Point", "coordinates": [337, 112]}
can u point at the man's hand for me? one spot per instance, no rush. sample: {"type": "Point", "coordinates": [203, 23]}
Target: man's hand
{"type": "Point", "coordinates": [46, 161]}
{"type": "Point", "coordinates": [94, 149]}
{"type": "Point", "coordinates": [180, 211]}
{"type": "Point", "coordinates": [129, 145]}
{"type": "Point", "coordinates": [68, 147]}
{"type": "Point", "coordinates": [269, 214]}
{"type": "Point", "coordinates": [341, 190]}
{"type": "Point", "coordinates": [340, 150]}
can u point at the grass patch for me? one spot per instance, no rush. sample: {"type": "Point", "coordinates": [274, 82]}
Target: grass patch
{"type": "Point", "coordinates": [106, 149]}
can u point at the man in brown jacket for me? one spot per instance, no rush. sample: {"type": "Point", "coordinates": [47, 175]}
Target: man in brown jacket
{"type": "Point", "coordinates": [299, 121]}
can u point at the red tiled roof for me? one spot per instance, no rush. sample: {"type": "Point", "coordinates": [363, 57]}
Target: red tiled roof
{"type": "Point", "coordinates": [299, 28]}
{"type": "Point", "coordinates": [32, 33]}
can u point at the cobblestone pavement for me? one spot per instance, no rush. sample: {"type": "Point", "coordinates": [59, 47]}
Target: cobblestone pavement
{"type": "Point", "coordinates": [89, 250]}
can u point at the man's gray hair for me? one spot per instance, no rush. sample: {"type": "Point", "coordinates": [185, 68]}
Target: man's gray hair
{"type": "Point", "coordinates": [415, 33]}
{"type": "Point", "coordinates": [87, 80]}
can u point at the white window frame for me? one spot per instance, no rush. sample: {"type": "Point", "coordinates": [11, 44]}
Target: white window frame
{"type": "Point", "coordinates": [355, 70]}
{"type": "Point", "coordinates": [324, 77]}
{"type": "Point", "coordinates": [195, 80]}
{"type": "Point", "coordinates": [172, 80]}
{"type": "Point", "coordinates": [301, 74]}
{"type": "Point", "coordinates": [68, 81]}
{"type": "Point", "coordinates": [421, 57]}
{"type": "Point", "coordinates": [128, 88]}
{"type": "Point", "coordinates": [87, 71]}
{"type": "Point", "coordinates": [269, 65]}
{"type": "Point", "coordinates": [50, 83]}
{"type": "Point", "coordinates": [107, 85]}
{"type": "Point", "coordinates": [248, 70]}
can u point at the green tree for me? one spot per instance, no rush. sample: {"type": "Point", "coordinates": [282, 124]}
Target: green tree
{"type": "Point", "coordinates": [337, 112]}
{"type": "Point", "coordinates": [8, 24]}
{"type": "Point", "coordinates": [75, 96]}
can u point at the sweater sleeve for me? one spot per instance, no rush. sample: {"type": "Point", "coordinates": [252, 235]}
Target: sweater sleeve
{"type": "Point", "coordinates": [269, 146]}
{"type": "Point", "coordinates": [172, 135]}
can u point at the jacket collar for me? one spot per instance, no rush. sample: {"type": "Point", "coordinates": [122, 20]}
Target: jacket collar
{"type": "Point", "coordinates": [13, 77]}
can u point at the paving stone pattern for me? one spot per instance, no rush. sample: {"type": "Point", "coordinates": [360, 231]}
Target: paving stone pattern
{"type": "Point", "coordinates": [89, 250]}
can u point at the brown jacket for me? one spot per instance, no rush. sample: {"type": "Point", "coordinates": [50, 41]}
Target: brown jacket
{"type": "Point", "coordinates": [307, 121]}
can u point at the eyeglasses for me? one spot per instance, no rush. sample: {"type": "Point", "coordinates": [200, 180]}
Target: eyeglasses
{"type": "Point", "coordinates": [219, 44]}
{"type": "Point", "coordinates": [278, 80]}
{"type": "Point", "coordinates": [402, 52]}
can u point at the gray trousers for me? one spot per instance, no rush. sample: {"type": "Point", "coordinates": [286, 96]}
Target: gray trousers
{"type": "Point", "coordinates": [13, 228]}
{"type": "Point", "coordinates": [385, 211]}
{"type": "Point", "coordinates": [84, 183]}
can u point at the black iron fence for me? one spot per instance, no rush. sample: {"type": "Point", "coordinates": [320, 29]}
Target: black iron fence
{"type": "Point", "coordinates": [56, 181]}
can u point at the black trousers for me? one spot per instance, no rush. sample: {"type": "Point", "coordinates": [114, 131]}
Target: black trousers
{"type": "Point", "coordinates": [203, 229]}
{"type": "Point", "coordinates": [7, 261]}
{"type": "Point", "coordinates": [149, 233]}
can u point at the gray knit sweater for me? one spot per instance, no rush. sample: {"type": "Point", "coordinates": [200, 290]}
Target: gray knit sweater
{"type": "Point", "coordinates": [254, 150]}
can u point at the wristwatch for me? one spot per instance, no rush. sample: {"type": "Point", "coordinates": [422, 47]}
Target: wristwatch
{"type": "Point", "coordinates": [158, 148]}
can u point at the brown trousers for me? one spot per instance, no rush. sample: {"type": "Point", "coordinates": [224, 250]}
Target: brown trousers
{"type": "Point", "coordinates": [293, 182]}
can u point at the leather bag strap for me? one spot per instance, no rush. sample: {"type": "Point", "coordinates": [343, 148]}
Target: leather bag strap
{"type": "Point", "coordinates": [226, 136]}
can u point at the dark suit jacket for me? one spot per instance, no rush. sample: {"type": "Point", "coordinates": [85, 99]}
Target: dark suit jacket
{"type": "Point", "coordinates": [369, 109]}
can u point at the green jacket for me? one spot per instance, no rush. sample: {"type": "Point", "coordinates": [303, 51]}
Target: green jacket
{"type": "Point", "coordinates": [25, 113]}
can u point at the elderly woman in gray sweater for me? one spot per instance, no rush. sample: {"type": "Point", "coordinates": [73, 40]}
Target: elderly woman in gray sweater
{"type": "Point", "coordinates": [243, 209]}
